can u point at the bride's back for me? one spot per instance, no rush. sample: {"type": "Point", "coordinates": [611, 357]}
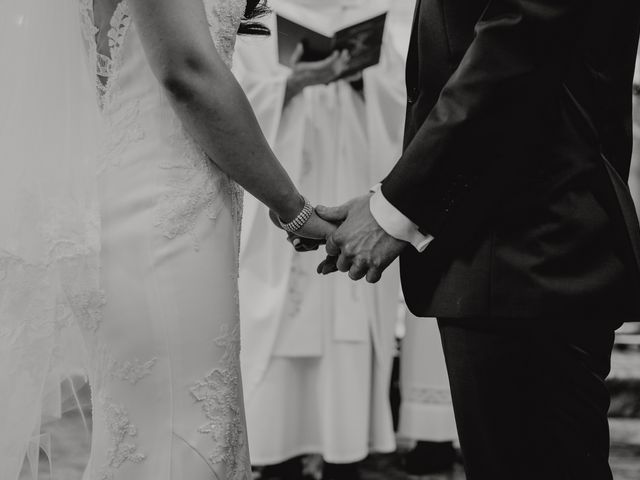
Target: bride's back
{"type": "Point", "coordinates": [146, 144]}
{"type": "Point", "coordinates": [103, 12]}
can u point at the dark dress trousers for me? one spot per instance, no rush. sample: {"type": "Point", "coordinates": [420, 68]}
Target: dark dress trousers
{"type": "Point", "coordinates": [516, 157]}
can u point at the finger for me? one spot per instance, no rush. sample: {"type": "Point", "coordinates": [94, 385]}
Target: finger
{"type": "Point", "coordinates": [374, 275]}
{"type": "Point", "coordinates": [324, 64]}
{"type": "Point", "coordinates": [292, 237]}
{"type": "Point", "coordinates": [329, 268]}
{"type": "Point", "coordinates": [297, 54]}
{"type": "Point", "coordinates": [342, 62]}
{"type": "Point", "coordinates": [357, 271]}
{"type": "Point", "coordinates": [307, 246]}
{"type": "Point", "coordinates": [344, 263]}
{"type": "Point", "coordinates": [330, 265]}
{"type": "Point", "coordinates": [331, 247]}
{"type": "Point", "coordinates": [356, 77]}
{"type": "Point", "coordinates": [333, 214]}
{"type": "Point", "coordinates": [301, 247]}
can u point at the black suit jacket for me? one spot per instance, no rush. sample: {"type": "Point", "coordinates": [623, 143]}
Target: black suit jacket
{"type": "Point", "coordinates": [514, 108]}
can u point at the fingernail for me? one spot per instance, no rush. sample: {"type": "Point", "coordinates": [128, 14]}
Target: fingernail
{"type": "Point", "coordinates": [296, 242]}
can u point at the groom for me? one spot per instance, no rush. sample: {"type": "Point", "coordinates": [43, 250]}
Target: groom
{"type": "Point", "coordinates": [510, 213]}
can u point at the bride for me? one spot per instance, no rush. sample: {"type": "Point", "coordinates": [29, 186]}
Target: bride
{"type": "Point", "coordinates": [120, 207]}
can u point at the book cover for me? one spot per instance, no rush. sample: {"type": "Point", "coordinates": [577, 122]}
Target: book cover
{"type": "Point", "coordinates": [358, 30]}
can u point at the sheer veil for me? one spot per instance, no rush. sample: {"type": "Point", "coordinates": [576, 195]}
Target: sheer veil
{"type": "Point", "coordinates": [49, 217]}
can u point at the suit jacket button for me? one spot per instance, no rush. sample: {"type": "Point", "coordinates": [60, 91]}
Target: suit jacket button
{"type": "Point", "coordinates": [412, 95]}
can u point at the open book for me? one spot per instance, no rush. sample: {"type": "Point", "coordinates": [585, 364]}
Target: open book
{"type": "Point", "coordinates": [323, 30]}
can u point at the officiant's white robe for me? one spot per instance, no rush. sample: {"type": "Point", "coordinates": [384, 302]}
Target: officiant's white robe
{"type": "Point", "coordinates": [426, 412]}
{"type": "Point", "coordinates": [317, 351]}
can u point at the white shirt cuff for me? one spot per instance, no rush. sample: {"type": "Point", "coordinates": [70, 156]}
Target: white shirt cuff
{"type": "Point", "coordinates": [394, 222]}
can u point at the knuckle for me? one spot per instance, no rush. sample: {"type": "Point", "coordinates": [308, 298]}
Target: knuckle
{"type": "Point", "coordinates": [343, 264]}
{"type": "Point", "coordinates": [360, 262]}
{"type": "Point", "coordinates": [349, 249]}
{"type": "Point", "coordinates": [331, 246]}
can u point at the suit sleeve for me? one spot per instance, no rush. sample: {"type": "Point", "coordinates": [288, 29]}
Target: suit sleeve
{"type": "Point", "coordinates": [492, 105]}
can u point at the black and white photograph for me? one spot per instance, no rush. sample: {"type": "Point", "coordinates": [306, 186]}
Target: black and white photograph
{"type": "Point", "coordinates": [319, 240]}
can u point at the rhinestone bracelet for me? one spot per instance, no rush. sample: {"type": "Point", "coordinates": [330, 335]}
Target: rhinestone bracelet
{"type": "Point", "coordinates": [300, 221]}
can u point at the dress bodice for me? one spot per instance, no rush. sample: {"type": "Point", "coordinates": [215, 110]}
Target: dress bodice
{"type": "Point", "coordinates": [141, 126]}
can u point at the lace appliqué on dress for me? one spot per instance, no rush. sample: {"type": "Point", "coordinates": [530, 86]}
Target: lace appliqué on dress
{"type": "Point", "coordinates": [89, 30]}
{"type": "Point", "coordinates": [121, 120]}
{"type": "Point", "coordinates": [224, 18]}
{"type": "Point", "coordinates": [108, 65]}
{"type": "Point", "coordinates": [87, 307]}
{"type": "Point", "coordinates": [195, 187]}
{"type": "Point", "coordinates": [131, 371]}
{"type": "Point", "coordinates": [122, 433]}
{"type": "Point", "coordinates": [123, 129]}
{"type": "Point", "coordinates": [33, 327]}
{"type": "Point", "coordinates": [219, 394]}
{"type": "Point", "coordinates": [120, 23]}
{"type": "Point", "coordinates": [237, 209]}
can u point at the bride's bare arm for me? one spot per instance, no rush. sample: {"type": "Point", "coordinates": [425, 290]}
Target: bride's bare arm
{"type": "Point", "coordinates": [211, 104]}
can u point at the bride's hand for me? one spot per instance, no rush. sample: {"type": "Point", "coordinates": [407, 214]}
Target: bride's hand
{"type": "Point", "coordinates": [312, 234]}
{"type": "Point", "coordinates": [316, 228]}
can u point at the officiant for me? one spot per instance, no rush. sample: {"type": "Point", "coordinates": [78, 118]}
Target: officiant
{"type": "Point", "coordinates": [317, 351]}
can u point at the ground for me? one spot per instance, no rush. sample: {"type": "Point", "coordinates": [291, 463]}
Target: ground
{"type": "Point", "coordinates": [72, 442]}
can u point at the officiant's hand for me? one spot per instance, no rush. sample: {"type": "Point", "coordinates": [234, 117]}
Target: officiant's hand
{"type": "Point", "coordinates": [307, 74]}
{"type": "Point", "coordinates": [359, 245]}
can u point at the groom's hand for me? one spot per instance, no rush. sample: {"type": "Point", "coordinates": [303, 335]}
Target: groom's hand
{"type": "Point", "coordinates": [359, 245]}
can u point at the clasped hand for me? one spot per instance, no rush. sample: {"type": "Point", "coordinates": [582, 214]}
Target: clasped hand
{"type": "Point", "coordinates": [357, 245]}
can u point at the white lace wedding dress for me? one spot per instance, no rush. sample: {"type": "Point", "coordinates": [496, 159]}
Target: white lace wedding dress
{"type": "Point", "coordinates": [163, 338]}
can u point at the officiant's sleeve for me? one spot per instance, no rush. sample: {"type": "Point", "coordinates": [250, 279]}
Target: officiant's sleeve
{"type": "Point", "coordinates": [492, 104]}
